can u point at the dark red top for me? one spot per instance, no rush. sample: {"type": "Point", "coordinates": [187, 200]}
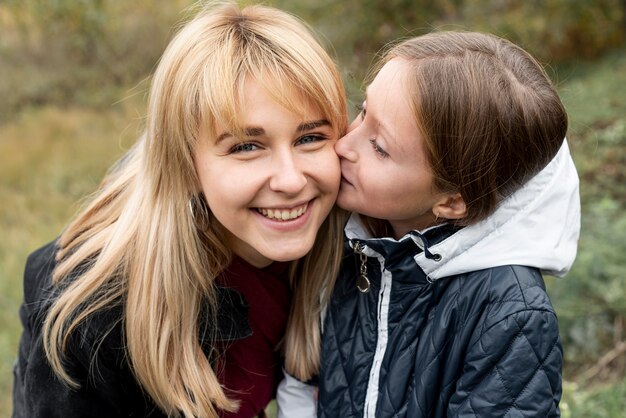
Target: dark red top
{"type": "Point", "coordinates": [250, 369]}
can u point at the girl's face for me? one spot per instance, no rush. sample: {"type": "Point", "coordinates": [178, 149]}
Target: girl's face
{"type": "Point", "coordinates": [272, 188]}
{"type": "Point", "coordinates": [384, 169]}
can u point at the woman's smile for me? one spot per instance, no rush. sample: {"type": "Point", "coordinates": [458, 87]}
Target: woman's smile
{"type": "Point", "coordinates": [284, 214]}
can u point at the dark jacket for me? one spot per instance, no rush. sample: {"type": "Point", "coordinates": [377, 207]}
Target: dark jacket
{"type": "Point", "coordinates": [107, 385]}
{"type": "Point", "coordinates": [484, 343]}
{"type": "Point", "coordinates": [456, 321]}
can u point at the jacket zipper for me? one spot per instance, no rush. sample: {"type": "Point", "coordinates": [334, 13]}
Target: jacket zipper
{"type": "Point", "coordinates": [362, 281]}
{"type": "Point", "coordinates": [363, 284]}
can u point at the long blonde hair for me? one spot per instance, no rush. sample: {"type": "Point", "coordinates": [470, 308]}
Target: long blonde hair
{"type": "Point", "coordinates": [137, 245]}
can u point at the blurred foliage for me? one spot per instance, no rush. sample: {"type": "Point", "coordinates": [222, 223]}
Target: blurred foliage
{"type": "Point", "coordinates": [72, 78]}
{"type": "Point", "coordinates": [54, 51]}
{"type": "Point", "coordinates": [591, 300]}
{"type": "Point", "coordinates": [592, 303]}
{"type": "Point", "coordinates": [606, 401]}
{"type": "Point", "coordinates": [554, 31]}
{"type": "Point", "coordinates": [65, 51]}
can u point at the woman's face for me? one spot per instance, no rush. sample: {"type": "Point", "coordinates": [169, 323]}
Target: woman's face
{"type": "Point", "coordinates": [385, 173]}
{"type": "Point", "coordinates": [272, 188]}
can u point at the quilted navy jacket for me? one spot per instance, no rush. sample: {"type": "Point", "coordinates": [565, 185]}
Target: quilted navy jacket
{"type": "Point", "coordinates": [455, 322]}
{"type": "Point", "coordinates": [484, 343]}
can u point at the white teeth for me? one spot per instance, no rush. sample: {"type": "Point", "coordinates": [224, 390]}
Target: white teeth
{"type": "Point", "coordinates": [283, 214]}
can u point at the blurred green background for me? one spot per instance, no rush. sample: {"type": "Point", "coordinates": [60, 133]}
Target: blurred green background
{"type": "Point", "coordinates": [73, 80]}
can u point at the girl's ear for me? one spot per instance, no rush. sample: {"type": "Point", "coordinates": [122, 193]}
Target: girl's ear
{"type": "Point", "coordinates": [450, 206]}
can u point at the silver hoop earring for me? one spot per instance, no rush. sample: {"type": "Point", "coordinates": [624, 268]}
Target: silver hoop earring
{"type": "Point", "coordinates": [199, 211]}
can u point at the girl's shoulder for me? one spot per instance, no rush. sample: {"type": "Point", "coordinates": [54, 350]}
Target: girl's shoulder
{"type": "Point", "coordinates": [498, 292]}
{"type": "Point", "coordinates": [510, 283]}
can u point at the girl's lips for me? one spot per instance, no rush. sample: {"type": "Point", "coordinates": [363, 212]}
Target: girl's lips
{"type": "Point", "coordinates": [346, 181]}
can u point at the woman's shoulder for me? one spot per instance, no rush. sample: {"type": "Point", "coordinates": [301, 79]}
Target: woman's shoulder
{"type": "Point", "coordinates": [40, 293]}
{"type": "Point", "coordinates": [40, 265]}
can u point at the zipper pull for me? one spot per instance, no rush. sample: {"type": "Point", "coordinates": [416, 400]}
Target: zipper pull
{"type": "Point", "coordinates": [362, 282]}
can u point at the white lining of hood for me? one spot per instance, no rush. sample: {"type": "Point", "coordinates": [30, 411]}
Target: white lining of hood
{"type": "Point", "coordinates": [537, 226]}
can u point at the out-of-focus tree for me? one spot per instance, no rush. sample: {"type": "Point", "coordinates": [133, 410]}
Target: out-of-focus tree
{"type": "Point", "coordinates": [78, 26]}
{"type": "Point", "coordinates": [553, 30]}
{"type": "Point", "coordinates": [60, 51]}
{"type": "Point", "coordinates": [357, 29]}
{"type": "Point", "coordinates": [69, 48]}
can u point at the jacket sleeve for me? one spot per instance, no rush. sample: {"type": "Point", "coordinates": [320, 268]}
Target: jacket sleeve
{"type": "Point", "coordinates": [20, 366]}
{"type": "Point", "coordinates": [295, 398]}
{"type": "Point", "coordinates": [513, 368]}
{"type": "Point", "coordinates": [37, 391]}
{"type": "Point", "coordinates": [36, 274]}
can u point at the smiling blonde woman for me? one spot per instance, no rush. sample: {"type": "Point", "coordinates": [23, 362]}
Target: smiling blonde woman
{"type": "Point", "coordinates": [206, 248]}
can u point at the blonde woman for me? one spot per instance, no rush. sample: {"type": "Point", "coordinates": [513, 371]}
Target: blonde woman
{"type": "Point", "coordinates": [205, 250]}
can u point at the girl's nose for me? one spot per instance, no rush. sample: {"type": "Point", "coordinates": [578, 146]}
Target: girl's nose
{"type": "Point", "coordinates": [345, 147]}
{"type": "Point", "coordinates": [287, 176]}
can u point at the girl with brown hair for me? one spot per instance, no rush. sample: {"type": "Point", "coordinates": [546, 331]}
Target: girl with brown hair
{"type": "Point", "coordinates": [463, 193]}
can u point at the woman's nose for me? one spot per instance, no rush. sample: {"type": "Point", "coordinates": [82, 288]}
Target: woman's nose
{"type": "Point", "coordinates": [287, 175]}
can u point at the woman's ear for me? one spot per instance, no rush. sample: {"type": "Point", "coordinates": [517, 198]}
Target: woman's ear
{"type": "Point", "coordinates": [450, 206]}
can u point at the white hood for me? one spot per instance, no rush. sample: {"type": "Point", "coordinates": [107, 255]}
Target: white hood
{"type": "Point", "coordinates": [538, 226]}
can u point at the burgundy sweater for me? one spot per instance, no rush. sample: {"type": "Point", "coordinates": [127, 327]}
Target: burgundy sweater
{"type": "Point", "coordinates": [250, 368]}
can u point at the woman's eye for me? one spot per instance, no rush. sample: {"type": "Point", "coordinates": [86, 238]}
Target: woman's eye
{"type": "Point", "coordinates": [243, 147]}
{"type": "Point", "coordinates": [309, 139]}
{"type": "Point", "coordinates": [379, 150]}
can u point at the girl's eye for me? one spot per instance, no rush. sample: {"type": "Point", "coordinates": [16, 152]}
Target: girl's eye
{"type": "Point", "coordinates": [379, 150]}
{"type": "Point", "coordinates": [310, 139]}
{"type": "Point", "coordinates": [243, 147]}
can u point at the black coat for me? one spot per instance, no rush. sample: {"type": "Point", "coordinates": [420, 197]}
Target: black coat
{"type": "Point", "coordinates": [484, 343]}
{"type": "Point", "coordinates": [107, 385]}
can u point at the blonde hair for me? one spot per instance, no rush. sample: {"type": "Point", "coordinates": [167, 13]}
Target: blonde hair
{"type": "Point", "coordinates": [137, 245]}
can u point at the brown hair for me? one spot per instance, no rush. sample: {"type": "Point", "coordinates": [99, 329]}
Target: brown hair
{"type": "Point", "coordinates": [489, 114]}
